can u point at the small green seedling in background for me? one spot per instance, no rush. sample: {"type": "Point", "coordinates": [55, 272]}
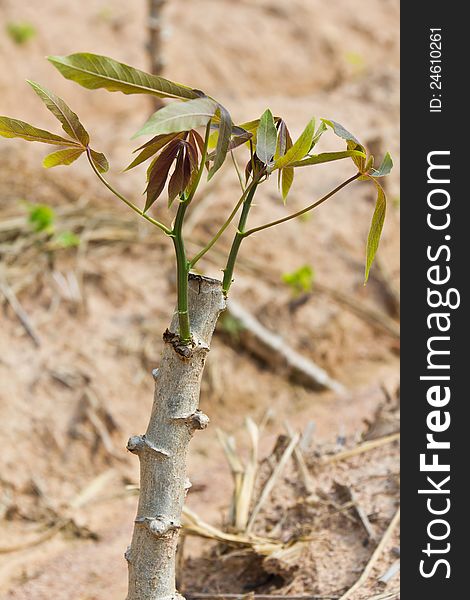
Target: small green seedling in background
{"type": "Point", "coordinates": [20, 32]}
{"type": "Point", "coordinates": [42, 219]}
{"type": "Point", "coordinates": [301, 280]}
{"type": "Point", "coordinates": [66, 239]}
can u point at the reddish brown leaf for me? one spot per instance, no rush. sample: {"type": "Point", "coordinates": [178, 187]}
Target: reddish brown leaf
{"type": "Point", "coordinates": [282, 138]}
{"type": "Point", "coordinates": [151, 148]}
{"type": "Point", "coordinates": [191, 151]}
{"type": "Point", "coordinates": [175, 185]}
{"type": "Point", "coordinates": [188, 173]}
{"type": "Point", "coordinates": [159, 172]}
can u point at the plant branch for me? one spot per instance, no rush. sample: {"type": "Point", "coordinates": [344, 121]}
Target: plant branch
{"type": "Point", "coordinates": [182, 271]}
{"type": "Point", "coordinates": [228, 271]}
{"type": "Point", "coordinates": [304, 210]}
{"type": "Point", "coordinates": [130, 204]}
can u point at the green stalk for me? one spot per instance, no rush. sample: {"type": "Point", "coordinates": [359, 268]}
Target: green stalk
{"type": "Point", "coordinates": [182, 271]}
{"type": "Point", "coordinates": [182, 264]}
{"type": "Point", "coordinates": [228, 271]}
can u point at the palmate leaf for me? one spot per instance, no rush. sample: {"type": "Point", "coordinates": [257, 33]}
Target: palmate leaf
{"type": "Point", "coordinates": [223, 139]}
{"type": "Point", "coordinates": [266, 138]}
{"type": "Point", "coordinates": [159, 170]}
{"type": "Point", "coordinates": [324, 157]}
{"type": "Point", "coordinates": [376, 226]}
{"type": "Point", "coordinates": [70, 122]}
{"type": "Point", "coordinates": [179, 116]}
{"type": "Point", "coordinates": [94, 71]}
{"type": "Point", "coordinates": [299, 149]}
{"type": "Point", "coordinates": [62, 157]}
{"type": "Point", "coordinates": [13, 128]}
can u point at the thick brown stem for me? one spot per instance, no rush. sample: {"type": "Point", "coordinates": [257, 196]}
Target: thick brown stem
{"type": "Point", "coordinates": [163, 449]}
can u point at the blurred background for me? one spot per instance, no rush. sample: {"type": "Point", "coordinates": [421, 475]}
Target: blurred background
{"type": "Point", "coordinates": [86, 290]}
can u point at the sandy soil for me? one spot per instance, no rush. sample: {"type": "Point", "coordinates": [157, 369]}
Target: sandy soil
{"type": "Point", "coordinates": [68, 407]}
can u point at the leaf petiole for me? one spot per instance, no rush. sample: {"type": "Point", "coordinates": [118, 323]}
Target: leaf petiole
{"type": "Point", "coordinates": [304, 210]}
{"type": "Point", "coordinates": [130, 204]}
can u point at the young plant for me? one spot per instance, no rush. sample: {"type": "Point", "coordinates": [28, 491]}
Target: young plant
{"type": "Point", "coordinates": [187, 138]}
{"type": "Point", "coordinates": [41, 219]}
{"type": "Point", "coordinates": [20, 32]}
{"type": "Point", "coordinates": [300, 281]}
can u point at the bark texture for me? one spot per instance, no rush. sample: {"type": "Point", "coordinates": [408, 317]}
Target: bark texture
{"type": "Point", "coordinates": [162, 450]}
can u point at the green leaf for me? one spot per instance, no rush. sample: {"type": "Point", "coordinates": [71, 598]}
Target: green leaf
{"type": "Point", "coordinates": [340, 131]}
{"type": "Point", "coordinates": [100, 161]}
{"type": "Point", "coordinates": [287, 179]}
{"type": "Point", "coordinates": [319, 132]}
{"type": "Point", "coordinates": [358, 159]}
{"type": "Point", "coordinates": [11, 128]}
{"type": "Point", "coordinates": [223, 140]}
{"type": "Point", "coordinates": [385, 167]}
{"type": "Point", "coordinates": [369, 164]}
{"type": "Point", "coordinates": [70, 122]}
{"type": "Point", "coordinates": [376, 227]}
{"type": "Point", "coordinates": [299, 149]}
{"type": "Point", "coordinates": [266, 138]}
{"type": "Point", "coordinates": [179, 116]}
{"type": "Point", "coordinates": [62, 157]}
{"type": "Point", "coordinates": [317, 159]}
{"type": "Point", "coordinates": [94, 71]}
